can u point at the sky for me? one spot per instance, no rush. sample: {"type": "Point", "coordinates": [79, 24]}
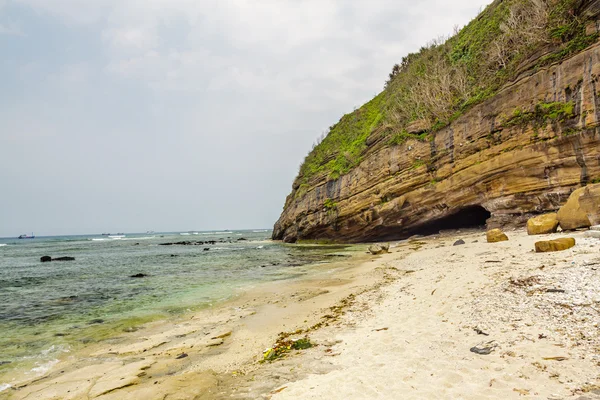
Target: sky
{"type": "Point", "coordinates": [176, 115]}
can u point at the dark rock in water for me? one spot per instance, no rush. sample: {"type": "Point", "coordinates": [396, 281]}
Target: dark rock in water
{"type": "Point", "coordinates": [64, 259]}
{"type": "Point", "coordinates": [242, 239]}
{"type": "Point", "coordinates": [166, 244]}
{"type": "Point", "coordinates": [136, 244]}
{"type": "Point", "coordinates": [96, 321]}
{"type": "Point", "coordinates": [458, 242]}
{"type": "Point", "coordinates": [60, 334]}
{"type": "Point", "coordinates": [46, 259]}
{"type": "Point", "coordinates": [67, 299]}
{"type": "Point", "coordinates": [173, 255]}
{"type": "Point", "coordinates": [180, 356]}
{"type": "Point", "coordinates": [5, 362]}
{"type": "Point", "coordinates": [206, 249]}
{"type": "Point", "coordinates": [138, 276]}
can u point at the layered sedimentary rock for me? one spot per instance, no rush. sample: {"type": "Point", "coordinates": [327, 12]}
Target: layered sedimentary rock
{"type": "Point", "coordinates": [489, 166]}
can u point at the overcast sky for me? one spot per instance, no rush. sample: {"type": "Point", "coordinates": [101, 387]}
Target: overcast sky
{"type": "Point", "coordinates": [166, 115]}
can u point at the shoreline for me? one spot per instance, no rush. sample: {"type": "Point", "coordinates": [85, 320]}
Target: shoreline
{"type": "Point", "coordinates": [403, 322]}
{"type": "Point", "coordinates": [245, 325]}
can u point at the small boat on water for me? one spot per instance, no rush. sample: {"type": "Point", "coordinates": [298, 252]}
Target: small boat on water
{"type": "Point", "coordinates": [26, 236]}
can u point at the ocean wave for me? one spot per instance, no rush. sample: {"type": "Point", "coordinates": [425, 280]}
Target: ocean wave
{"type": "Point", "coordinates": [260, 247]}
{"type": "Point", "coordinates": [185, 234]}
{"type": "Point", "coordinates": [98, 240]}
{"type": "Point", "coordinates": [2, 244]}
{"type": "Point", "coordinates": [264, 230]}
{"type": "Point", "coordinates": [41, 369]}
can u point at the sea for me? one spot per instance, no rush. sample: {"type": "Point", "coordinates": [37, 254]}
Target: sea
{"type": "Point", "coordinates": [49, 309]}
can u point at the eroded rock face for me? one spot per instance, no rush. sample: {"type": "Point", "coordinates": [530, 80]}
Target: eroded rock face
{"type": "Point", "coordinates": [542, 224]}
{"type": "Point", "coordinates": [554, 245]}
{"type": "Point", "coordinates": [479, 164]}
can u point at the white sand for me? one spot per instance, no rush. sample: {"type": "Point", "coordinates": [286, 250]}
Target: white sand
{"type": "Point", "coordinates": [429, 319]}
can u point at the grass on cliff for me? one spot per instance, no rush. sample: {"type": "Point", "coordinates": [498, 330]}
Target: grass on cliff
{"type": "Point", "coordinates": [448, 76]}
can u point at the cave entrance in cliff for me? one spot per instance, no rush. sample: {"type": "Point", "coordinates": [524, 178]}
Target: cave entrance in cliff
{"type": "Point", "coordinates": [466, 217]}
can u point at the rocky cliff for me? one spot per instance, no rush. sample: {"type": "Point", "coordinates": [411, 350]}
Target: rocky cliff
{"type": "Point", "coordinates": [517, 151]}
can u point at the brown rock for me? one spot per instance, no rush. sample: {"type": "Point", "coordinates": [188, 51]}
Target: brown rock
{"type": "Point", "coordinates": [589, 202]}
{"type": "Point", "coordinates": [378, 249]}
{"type": "Point", "coordinates": [418, 126]}
{"type": "Point", "coordinates": [512, 171]}
{"type": "Point", "coordinates": [571, 216]}
{"type": "Point", "coordinates": [554, 245]}
{"type": "Point", "coordinates": [542, 224]}
{"type": "Point", "coordinates": [496, 235]}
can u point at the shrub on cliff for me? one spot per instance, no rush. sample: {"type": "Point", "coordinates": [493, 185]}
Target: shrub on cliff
{"type": "Point", "coordinates": [446, 77]}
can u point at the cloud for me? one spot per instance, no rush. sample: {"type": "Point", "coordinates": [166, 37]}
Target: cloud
{"type": "Point", "coordinates": [189, 101]}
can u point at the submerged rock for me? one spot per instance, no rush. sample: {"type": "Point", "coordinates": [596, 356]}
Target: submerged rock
{"type": "Point", "coordinates": [554, 245]}
{"type": "Point", "coordinates": [496, 235]}
{"type": "Point", "coordinates": [48, 259]}
{"type": "Point", "coordinates": [542, 224]}
{"type": "Point", "coordinates": [64, 259]}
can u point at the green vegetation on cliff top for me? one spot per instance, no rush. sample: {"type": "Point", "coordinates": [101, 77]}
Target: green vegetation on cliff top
{"type": "Point", "coordinates": [446, 77]}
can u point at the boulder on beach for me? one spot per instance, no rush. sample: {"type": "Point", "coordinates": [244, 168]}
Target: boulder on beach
{"type": "Point", "coordinates": [459, 242]}
{"type": "Point", "coordinates": [542, 224]}
{"type": "Point", "coordinates": [571, 216]}
{"type": "Point", "coordinates": [589, 201]}
{"type": "Point", "coordinates": [379, 248]}
{"type": "Point", "coordinates": [554, 245]}
{"type": "Point", "coordinates": [495, 235]}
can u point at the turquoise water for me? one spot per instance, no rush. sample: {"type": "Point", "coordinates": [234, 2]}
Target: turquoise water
{"type": "Point", "coordinates": [47, 309]}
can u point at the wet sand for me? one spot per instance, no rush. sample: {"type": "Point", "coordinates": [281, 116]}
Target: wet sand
{"type": "Point", "coordinates": [400, 325]}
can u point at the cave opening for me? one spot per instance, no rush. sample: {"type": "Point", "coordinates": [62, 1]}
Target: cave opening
{"type": "Point", "coordinates": [466, 217]}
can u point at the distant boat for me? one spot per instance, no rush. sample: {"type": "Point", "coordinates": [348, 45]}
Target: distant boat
{"type": "Point", "coordinates": [26, 236]}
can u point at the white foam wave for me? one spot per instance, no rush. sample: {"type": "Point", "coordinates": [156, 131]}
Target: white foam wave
{"type": "Point", "coordinates": [116, 236]}
{"type": "Point", "coordinates": [41, 369]}
{"type": "Point", "coordinates": [184, 234]}
{"type": "Point", "coordinates": [2, 244]}
{"type": "Point", "coordinates": [260, 247]}
{"type": "Point", "coordinates": [4, 386]}
{"type": "Point", "coordinates": [261, 231]}
{"type": "Point", "coordinates": [99, 240]}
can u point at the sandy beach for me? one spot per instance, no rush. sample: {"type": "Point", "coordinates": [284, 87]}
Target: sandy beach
{"type": "Point", "coordinates": [427, 320]}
